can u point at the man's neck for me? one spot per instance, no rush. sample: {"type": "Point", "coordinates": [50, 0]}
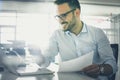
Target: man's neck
{"type": "Point", "coordinates": [78, 28]}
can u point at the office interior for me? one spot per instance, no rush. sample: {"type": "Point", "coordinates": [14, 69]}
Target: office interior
{"type": "Point", "coordinates": [33, 21]}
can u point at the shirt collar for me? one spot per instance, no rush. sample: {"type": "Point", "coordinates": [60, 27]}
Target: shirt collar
{"type": "Point", "coordinates": [84, 29]}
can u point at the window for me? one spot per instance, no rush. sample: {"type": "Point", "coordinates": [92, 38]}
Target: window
{"type": "Point", "coordinates": [7, 26]}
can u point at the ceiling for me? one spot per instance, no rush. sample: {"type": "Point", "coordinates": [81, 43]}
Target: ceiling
{"type": "Point", "coordinates": [89, 7]}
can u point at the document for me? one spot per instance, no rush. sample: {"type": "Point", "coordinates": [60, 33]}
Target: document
{"type": "Point", "coordinates": [76, 64]}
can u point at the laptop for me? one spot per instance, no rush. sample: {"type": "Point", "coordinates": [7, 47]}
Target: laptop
{"type": "Point", "coordinates": [33, 70]}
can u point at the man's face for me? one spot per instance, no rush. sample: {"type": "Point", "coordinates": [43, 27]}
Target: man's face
{"type": "Point", "coordinates": [66, 17]}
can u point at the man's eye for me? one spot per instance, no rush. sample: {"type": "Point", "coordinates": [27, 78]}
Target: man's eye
{"type": "Point", "coordinates": [64, 15]}
{"type": "Point", "coordinates": [60, 17]}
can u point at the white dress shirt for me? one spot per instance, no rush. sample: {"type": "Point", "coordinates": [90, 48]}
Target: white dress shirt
{"type": "Point", "coordinates": [70, 46]}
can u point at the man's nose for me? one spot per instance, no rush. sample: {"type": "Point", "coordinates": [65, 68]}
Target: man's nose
{"type": "Point", "coordinates": [61, 21]}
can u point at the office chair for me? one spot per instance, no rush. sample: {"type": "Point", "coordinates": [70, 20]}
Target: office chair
{"type": "Point", "coordinates": [115, 53]}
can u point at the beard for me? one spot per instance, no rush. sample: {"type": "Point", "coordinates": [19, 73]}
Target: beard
{"type": "Point", "coordinates": [68, 26]}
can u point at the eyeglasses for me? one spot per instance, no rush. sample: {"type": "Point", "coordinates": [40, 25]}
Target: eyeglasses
{"type": "Point", "coordinates": [63, 16]}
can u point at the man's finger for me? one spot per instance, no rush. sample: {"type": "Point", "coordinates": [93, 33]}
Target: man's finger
{"type": "Point", "coordinates": [93, 70]}
{"type": "Point", "coordinates": [90, 67]}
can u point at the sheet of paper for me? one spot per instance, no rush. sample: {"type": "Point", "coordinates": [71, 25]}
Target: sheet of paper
{"type": "Point", "coordinates": [76, 64]}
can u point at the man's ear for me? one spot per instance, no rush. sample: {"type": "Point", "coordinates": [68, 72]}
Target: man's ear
{"type": "Point", "coordinates": [77, 12]}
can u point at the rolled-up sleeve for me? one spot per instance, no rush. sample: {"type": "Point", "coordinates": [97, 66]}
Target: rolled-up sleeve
{"type": "Point", "coordinates": [104, 50]}
{"type": "Point", "coordinates": [51, 51]}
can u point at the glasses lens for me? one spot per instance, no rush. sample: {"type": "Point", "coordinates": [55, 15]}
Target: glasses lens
{"type": "Point", "coordinates": [59, 17]}
{"type": "Point", "coordinates": [63, 16]}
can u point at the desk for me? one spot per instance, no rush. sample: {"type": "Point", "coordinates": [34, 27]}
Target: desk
{"type": "Point", "coordinates": [56, 76]}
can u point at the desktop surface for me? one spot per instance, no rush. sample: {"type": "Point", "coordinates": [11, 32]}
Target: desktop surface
{"type": "Point", "coordinates": [55, 76]}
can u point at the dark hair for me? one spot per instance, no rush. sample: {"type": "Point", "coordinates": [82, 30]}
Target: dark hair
{"type": "Point", "coordinates": [72, 3]}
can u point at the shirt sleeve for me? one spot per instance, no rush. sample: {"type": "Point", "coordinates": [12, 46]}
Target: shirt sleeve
{"type": "Point", "coordinates": [104, 50]}
{"type": "Point", "coordinates": [52, 50]}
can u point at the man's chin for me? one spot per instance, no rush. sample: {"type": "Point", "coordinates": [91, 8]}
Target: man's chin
{"type": "Point", "coordinates": [63, 28]}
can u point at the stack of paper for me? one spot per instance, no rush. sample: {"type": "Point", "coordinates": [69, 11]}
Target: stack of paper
{"type": "Point", "coordinates": [76, 64]}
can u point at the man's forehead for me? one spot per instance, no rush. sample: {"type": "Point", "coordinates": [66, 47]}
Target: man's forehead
{"type": "Point", "coordinates": [62, 8]}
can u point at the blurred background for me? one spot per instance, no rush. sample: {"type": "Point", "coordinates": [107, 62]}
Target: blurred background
{"type": "Point", "coordinates": [33, 21]}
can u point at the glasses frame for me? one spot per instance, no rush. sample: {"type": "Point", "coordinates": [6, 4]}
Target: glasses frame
{"type": "Point", "coordinates": [64, 15]}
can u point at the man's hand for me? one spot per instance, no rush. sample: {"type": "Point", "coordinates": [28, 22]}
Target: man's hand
{"type": "Point", "coordinates": [95, 70]}
{"type": "Point", "coordinates": [92, 70]}
{"type": "Point", "coordinates": [35, 51]}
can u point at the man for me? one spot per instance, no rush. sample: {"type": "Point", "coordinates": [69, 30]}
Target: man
{"type": "Point", "coordinates": [75, 38]}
